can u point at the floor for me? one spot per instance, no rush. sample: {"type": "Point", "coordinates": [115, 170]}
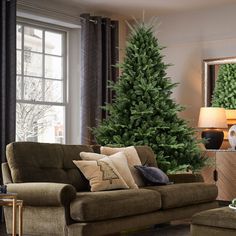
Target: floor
{"type": "Point", "coordinates": [2, 230]}
{"type": "Point", "coordinates": [177, 228]}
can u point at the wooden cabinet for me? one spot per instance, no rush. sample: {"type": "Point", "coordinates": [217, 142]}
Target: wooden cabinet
{"type": "Point", "coordinates": [222, 172]}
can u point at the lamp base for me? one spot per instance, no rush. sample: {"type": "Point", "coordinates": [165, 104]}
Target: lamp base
{"type": "Point", "coordinates": [214, 138]}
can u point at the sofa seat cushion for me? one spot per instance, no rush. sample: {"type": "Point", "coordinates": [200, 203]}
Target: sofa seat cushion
{"type": "Point", "coordinates": [94, 206]}
{"type": "Point", "coordinates": [178, 195]}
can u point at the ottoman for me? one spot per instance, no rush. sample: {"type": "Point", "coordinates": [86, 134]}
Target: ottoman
{"type": "Point", "coordinates": [215, 222]}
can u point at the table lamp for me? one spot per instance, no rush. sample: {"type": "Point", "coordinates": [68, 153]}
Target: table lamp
{"type": "Point", "coordinates": [212, 120]}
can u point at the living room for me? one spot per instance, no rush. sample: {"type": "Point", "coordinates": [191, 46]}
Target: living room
{"type": "Point", "coordinates": [118, 117]}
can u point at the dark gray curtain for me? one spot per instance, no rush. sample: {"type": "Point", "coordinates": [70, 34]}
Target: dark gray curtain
{"type": "Point", "coordinates": [99, 54]}
{"type": "Point", "coordinates": [8, 74]}
{"type": "Point", "coordinates": [8, 77]}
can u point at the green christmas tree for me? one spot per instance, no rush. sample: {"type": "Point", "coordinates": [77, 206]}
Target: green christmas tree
{"type": "Point", "coordinates": [224, 94]}
{"type": "Point", "coordinates": [143, 113]}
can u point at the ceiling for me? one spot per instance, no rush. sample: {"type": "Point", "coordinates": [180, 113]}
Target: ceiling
{"type": "Point", "coordinates": [129, 8]}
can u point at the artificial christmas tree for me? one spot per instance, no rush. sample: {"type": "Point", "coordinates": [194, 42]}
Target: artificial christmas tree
{"type": "Point", "coordinates": [143, 113]}
{"type": "Point", "coordinates": [224, 94]}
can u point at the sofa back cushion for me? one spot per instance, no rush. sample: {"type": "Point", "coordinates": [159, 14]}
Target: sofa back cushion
{"type": "Point", "coordinates": [146, 155]}
{"type": "Point", "coordinates": [42, 162]}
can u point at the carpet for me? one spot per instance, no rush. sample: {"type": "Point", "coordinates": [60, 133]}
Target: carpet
{"type": "Point", "coordinates": [176, 228]}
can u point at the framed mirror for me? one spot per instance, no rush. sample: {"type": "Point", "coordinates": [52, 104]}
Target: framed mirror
{"type": "Point", "coordinates": [210, 75]}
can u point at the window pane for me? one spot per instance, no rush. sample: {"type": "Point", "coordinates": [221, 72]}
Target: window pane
{"type": "Point", "coordinates": [33, 39]}
{"type": "Point", "coordinates": [40, 123]}
{"type": "Point", "coordinates": [18, 62]}
{"type": "Point", "coordinates": [18, 87]}
{"type": "Point", "coordinates": [53, 91]}
{"type": "Point", "coordinates": [33, 89]}
{"type": "Point", "coordinates": [53, 67]}
{"type": "Point", "coordinates": [40, 84]}
{"type": "Point", "coordinates": [32, 64]}
{"type": "Point", "coordinates": [53, 43]}
{"type": "Point", "coordinates": [19, 36]}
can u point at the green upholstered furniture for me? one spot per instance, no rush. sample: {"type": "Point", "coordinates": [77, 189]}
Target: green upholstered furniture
{"type": "Point", "coordinates": [215, 222]}
{"type": "Point", "coordinates": [57, 200]}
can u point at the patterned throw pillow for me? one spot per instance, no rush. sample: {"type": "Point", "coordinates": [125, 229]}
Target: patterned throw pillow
{"type": "Point", "coordinates": [153, 175]}
{"type": "Point", "coordinates": [119, 160]}
{"type": "Point", "coordinates": [102, 174]}
{"type": "Point", "coordinates": [132, 158]}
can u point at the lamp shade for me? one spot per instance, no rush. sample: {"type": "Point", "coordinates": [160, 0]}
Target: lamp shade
{"type": "Point", "coordinates": [230, 114]}
{"type": "Point", "coordinates": [212, 117]}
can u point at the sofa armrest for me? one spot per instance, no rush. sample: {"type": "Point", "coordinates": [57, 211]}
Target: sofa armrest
{"type": "Point", "coordinates": [6, 173]}
{"type": "Point", "coordinates": [43, 194]}
{"type": "Point", "coordinates": [185, 178]}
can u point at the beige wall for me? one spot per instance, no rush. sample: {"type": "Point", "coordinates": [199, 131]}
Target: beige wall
{"type": "Point", "coordinates": [190, 38]}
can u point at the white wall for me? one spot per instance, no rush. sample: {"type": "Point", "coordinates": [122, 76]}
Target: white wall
{"type": "Point", "coordinates": [190, 38]}
{"type": "Point", "coordinates": [58, 13]}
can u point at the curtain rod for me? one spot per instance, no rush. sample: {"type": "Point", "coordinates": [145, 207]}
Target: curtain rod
{"type": "Point", "coordinates": [93, 21]}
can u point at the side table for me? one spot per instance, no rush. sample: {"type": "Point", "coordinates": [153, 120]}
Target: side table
{"type": "Point", "coordinates": [222, 172]}
{"type": "Point", "coordinates": [10, 199]}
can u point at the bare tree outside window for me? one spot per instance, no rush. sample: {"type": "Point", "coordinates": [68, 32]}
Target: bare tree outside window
{"type": "Point", "coordinates": [40, 108]}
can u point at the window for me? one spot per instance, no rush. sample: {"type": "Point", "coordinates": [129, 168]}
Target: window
{"type": "Point", "coordinates": [41, 84]}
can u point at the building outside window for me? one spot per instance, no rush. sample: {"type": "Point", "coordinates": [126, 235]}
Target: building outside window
{"type": "Point", "coordinates": [41, 84]}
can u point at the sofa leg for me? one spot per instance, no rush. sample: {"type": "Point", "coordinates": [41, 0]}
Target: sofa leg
{"type": "Point", "coordinates": [162, 225]}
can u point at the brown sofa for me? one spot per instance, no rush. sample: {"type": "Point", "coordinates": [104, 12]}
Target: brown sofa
{"type": "Point", "coordinates": [57, 200]}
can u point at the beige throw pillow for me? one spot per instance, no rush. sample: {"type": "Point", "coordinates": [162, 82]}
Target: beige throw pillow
{"type": "Point", "coordinates": [102, 174]}
{"type": "Point", "coordinates": [91, 156]}
{"type": "Point", "coordinates": [120, 162]}
{"type": "Point", "coordinates": [132, 158]}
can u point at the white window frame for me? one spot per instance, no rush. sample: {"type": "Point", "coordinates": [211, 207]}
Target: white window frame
{"type": "Point", "coordinates": [55, 29]}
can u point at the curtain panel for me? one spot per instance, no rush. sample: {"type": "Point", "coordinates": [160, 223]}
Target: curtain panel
{"type": "Point", "coordinates": [8, 74]}
{"type": "Point", "coordinates": [99, 54]}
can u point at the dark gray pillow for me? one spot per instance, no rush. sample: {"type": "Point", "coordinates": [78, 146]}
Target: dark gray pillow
{"type": "Point", "coordinates": [153, 175]}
